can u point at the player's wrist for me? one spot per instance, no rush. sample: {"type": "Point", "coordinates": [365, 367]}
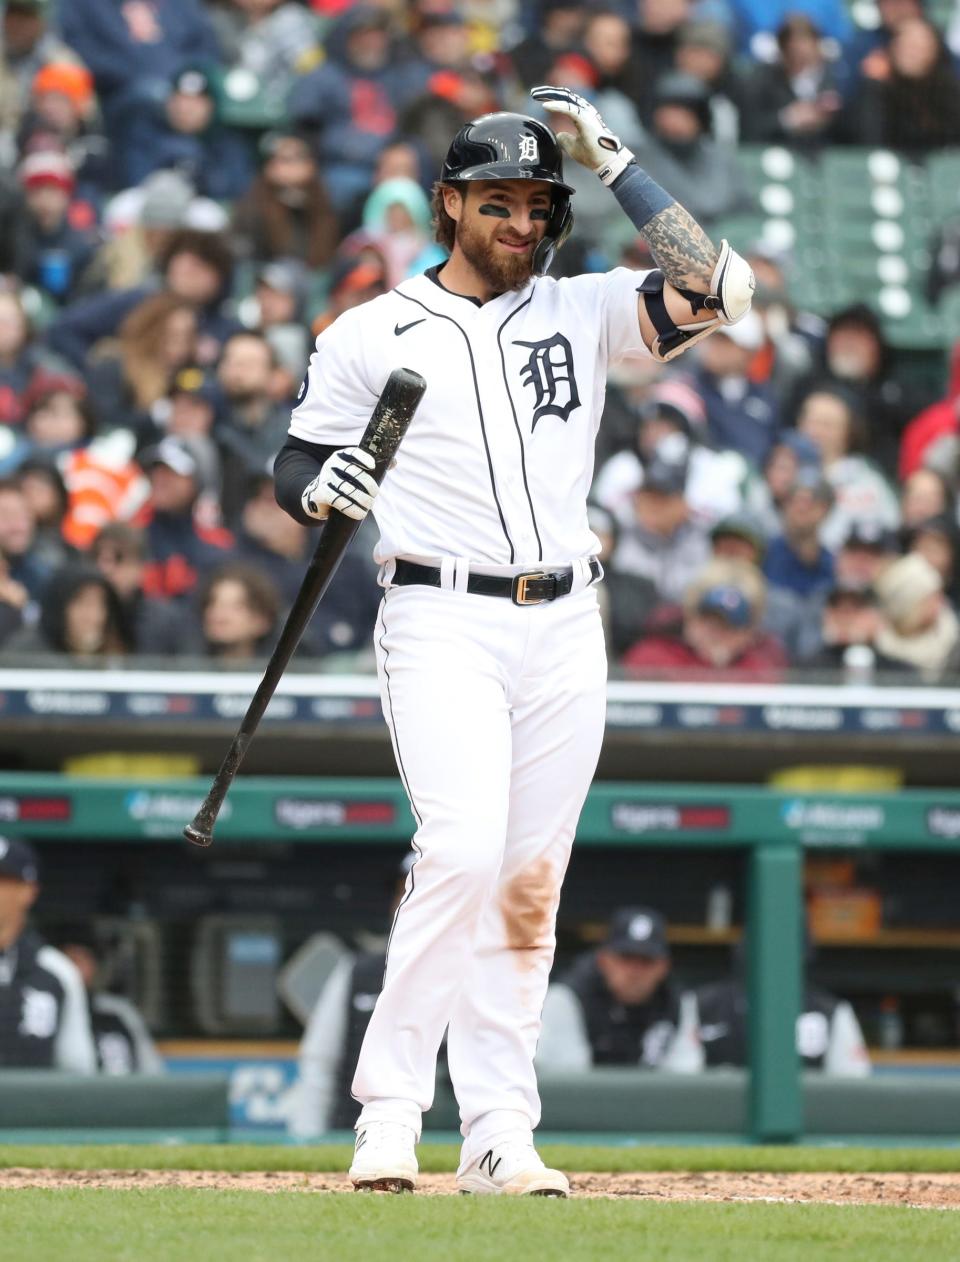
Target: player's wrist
{"type": "Point", "coordinates": [614, 165]}
{"type": "Point", "coordinates": [639, 195]}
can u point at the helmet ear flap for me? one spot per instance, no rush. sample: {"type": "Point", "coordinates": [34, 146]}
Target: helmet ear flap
{"type": "Point", "coordinates": [559, 227]}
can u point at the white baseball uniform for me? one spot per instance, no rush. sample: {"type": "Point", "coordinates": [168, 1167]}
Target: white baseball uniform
{"type": "Point", "coordinates": [496, 710]}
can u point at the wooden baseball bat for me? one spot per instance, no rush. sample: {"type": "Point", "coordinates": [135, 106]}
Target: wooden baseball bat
{"type": "Point", "coordinates": [391, 417]}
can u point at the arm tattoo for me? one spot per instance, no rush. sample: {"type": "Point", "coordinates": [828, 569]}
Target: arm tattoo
{"type": "Point", "coordinates": [681, 249]}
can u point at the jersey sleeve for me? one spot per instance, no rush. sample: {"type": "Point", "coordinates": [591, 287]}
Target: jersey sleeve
{"type": "Point", "coordinates": [614, 296]}
{"type": "Point", "coordinates": [338, 393]}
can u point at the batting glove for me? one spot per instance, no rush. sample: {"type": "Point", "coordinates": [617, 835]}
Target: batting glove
{"type": "Point", "coordinates": [593, 144]}
{"type": "Point", "coordinates": [344, 483]}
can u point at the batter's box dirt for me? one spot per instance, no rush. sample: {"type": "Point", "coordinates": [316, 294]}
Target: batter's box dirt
{"type": "Point", "coordinates": [923, 1191]}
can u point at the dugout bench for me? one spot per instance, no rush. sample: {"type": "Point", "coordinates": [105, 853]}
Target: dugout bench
{"type": "Point", "coordinates": [772, 1103]}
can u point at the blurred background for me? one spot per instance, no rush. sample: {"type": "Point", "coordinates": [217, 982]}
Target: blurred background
{"type": "Point", "coordinates": [189, 193]}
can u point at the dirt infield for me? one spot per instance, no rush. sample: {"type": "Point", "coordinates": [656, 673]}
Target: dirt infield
{"type": "Point", "coordinates": [923, 1191]}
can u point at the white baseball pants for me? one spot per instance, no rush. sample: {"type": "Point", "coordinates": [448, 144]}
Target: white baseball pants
{"type": "Point", "coordinates": [496, 714]}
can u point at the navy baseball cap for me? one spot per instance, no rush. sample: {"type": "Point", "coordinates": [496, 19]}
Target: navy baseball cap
{"type": "Point", "coordinates": [639, 931]}
{"type": "Point", "coordinates": [729, 602]}
{"type": "Point", "coordinates": [872, 536]}
{"type": "Point", "coordinates": [18, 860]}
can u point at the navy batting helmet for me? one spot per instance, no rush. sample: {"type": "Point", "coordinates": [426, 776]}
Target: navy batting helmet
{"type": "Point", "coordinates": [514, 147]}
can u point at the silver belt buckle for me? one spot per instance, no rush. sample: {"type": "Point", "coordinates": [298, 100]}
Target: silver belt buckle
{"type": "Point", "coordinates": [520, 584]}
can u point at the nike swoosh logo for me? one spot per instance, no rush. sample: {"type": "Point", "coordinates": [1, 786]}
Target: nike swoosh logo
{"type": "Point", "coordinates": [402, 328]}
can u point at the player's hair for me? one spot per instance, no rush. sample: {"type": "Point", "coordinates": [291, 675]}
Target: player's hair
{"type": "Point", "coordinates": [444, 228]}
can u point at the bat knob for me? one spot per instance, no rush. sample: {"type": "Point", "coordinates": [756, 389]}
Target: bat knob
{"type": "Point", "coordinates": [192, 833]}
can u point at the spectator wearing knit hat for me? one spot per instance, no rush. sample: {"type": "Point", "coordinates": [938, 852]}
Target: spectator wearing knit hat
{"type": "Point", "coordinates": [719, 482]}
{"type": "Point", "coordinates": [135, 51]}
{"type": "Point", "coordinates": [184, 132]}
{"type": "Point", "coordinates": [719, 635]}
{"type": "Point", "coordinates": [62, 114]}
{"type": "Point", "coordinates": [920, 627]}
{"type": "Point", "coordinates": [28, 44]}
{"type": "Point", "coordinates": [680, 152]}
{"type": "Point", "coordinates": [50, 253]}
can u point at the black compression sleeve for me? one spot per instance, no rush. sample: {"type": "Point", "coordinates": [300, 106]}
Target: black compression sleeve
{"type": "Point", "coordinates": [297, 464]}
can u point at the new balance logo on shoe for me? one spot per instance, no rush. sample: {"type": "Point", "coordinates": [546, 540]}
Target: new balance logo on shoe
{"type": "Point", "coordinates": [491, 1164]}
{"type": "Point", "coordinates": [361, 1140]}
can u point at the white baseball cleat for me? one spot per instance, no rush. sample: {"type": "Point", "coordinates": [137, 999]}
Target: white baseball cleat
{"type": "Point", "coordinates": [511, 1168]}
{"type": "Point", "coordinates": [384, 1158]}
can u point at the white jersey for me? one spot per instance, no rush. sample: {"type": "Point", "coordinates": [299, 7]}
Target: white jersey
{"type": "Point", "coordinates": [498, 461]}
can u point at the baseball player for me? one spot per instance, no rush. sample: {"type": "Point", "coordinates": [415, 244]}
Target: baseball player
{"type": "Point", "coordinates": [489, 644]}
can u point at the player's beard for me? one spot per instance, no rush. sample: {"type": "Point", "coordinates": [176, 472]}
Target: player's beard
{"type": "Point", "coordinates": [501, 271]}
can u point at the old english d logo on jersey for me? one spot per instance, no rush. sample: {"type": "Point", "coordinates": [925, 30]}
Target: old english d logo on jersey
{"type": "Point", "coordinates": [549, 370]}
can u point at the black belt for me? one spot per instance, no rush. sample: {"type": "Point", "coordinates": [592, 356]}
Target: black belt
{"type": "Point", "coordinates": [532, 587]}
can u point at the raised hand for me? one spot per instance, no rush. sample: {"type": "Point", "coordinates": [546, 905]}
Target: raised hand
{"type": "Point", "coordinates": [593, 144]}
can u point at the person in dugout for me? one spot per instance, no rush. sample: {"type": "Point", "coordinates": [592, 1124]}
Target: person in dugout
{"type": "Point", "coordinates": [44, 1021]}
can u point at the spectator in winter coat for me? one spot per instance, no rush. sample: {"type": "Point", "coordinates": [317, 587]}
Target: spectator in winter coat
{"type": "Point", "coordinates": [195, 266]}
{"type": "Point", "coordinates": [719, 635]}
{"type": "Point", "coordinates": [796, 560]}
{"type": "Point", "coordinates": [351, 101]}
{"type": "Point", "coordinates": [661, 542]}
{"type": "Point", "coordinates": [184, 538]}
{"type": "Point", "coordinates": [80, 616]}
{"type": "Point", "coordinates": [680, 153]}
{"type": "Point", "coordinates": [916, 106]}
{"type": "Point", "coordinates": [796, 99]}
{"type": "Point", "coordinates": [934, 424]}
{"type": "Point", "coordinates": [135, 51]}
{"type": "Point", "coordinates": [152, 626]}
{"type": "Point", "coordinates": [850, 618]}
{"type": "Point", "coordinates": [24, 562]}
{"type": "Point", "coordinates": [618, 1005]}
{"type": "Point", "coordinates": [828, 417]}
{"type": "Point", "coordinates": [920, 627]}
{"type": "Point", "coordinates": [62, 116]}
{"type": "Point", "coordinates": [28, 45]}
{"type": "Point", "coordinates": [22, 359]}
{"type": "Point", "coordinates": [254, 418]}
{"type": "Point", "coordinates": [741, 415]}
{"type": "Point", "coordinates": [51, 253]}
{"type": "Point", "coordinates": [858, 359]}
{"type": "Point", "coordinates": [272, 39]}
{"type": "Point", "coordinates": [936, 539]}
{"type": "Point", "coordinates": [286, 212]}
{"type": "Point", "coordinates": [156, 340]}
{"type": "Point", "coordinates": [99, 478]}
{"type": "Point", "coordinates": [718, 482]}
{"type": "Point", "coordinates": [184, 133]}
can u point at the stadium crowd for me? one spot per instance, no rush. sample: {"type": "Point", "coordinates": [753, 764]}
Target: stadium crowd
{"type": "Point", "coordinates": [190, 192]}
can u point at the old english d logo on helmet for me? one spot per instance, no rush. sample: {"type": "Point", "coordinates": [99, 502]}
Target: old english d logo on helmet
{"type": "Point", "coordinates": [508, 146]}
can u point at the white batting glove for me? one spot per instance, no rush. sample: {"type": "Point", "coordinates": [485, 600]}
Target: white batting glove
{"type": "Point", "coordinates": [593, 144]}
{"type": "Point", "coordinates": [344, 483]}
